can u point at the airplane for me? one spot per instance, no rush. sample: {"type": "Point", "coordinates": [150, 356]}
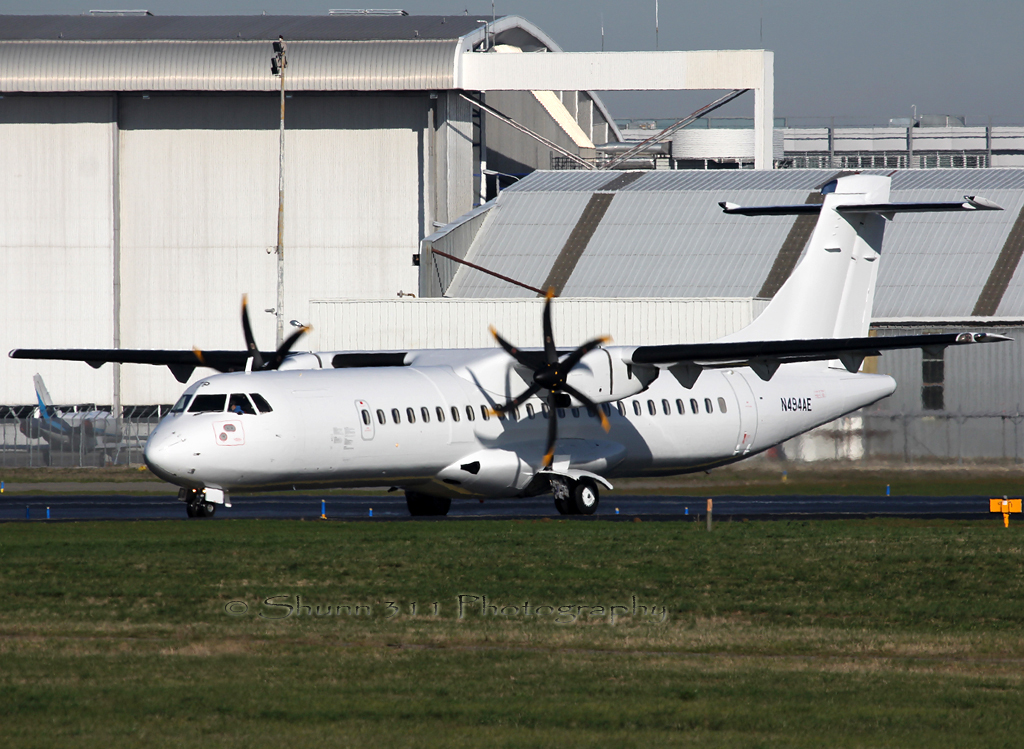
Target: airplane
{"type": "Point", "coordinates": [509, 422]}
{"type": "Point", "coordinates": [69, 430]}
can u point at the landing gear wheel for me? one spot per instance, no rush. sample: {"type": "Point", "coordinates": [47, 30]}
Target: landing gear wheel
{"type": "Point", "coordinates": [206, 509]}
{"type": "Point", "coordinates": [585, 497]}
{"type": "Point", "coordinates": [562, 504]}
{"type": "Point", "coordinates": [190, 508]}
{"type": "Point", "coordinates": [425, 505]}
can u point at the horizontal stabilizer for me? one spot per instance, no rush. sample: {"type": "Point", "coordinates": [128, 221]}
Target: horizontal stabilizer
{"type": "Point", "coordinates": [969, 203]}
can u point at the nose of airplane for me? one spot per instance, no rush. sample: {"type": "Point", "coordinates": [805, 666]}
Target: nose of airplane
{"type": "Point", "coordinates": [165, 453]}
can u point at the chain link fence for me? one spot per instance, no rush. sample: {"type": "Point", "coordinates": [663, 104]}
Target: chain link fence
{"type": "Point", "coordinates": [77, 436]}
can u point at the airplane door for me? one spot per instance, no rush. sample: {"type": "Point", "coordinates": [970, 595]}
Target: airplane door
{"type": "Point", "coordinates": [365, 415]}
{"type": "Point", "coordinates": [747, 406]}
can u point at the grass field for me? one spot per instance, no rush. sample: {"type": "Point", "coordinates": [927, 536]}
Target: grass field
{"type": "Point", "coordinates": [848, 634]}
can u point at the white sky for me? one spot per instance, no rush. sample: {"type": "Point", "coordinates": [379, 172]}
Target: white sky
{"type": "Point", "coordinates": [861, 61]}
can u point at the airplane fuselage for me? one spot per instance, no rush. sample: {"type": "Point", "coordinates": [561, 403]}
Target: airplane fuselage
{"type": "Point", "coordinates": [426, 428]}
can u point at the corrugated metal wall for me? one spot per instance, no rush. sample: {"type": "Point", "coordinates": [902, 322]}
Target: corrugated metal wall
{"type": "Point", "coordinates": [199, 210]}
{"type": "Point", "coordinates": [458, 323]}
{"type": "Point", "coordinates": [57, 241]}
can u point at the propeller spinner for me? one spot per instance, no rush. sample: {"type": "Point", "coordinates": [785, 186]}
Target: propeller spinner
{"type": "Point", "coordinates": [551, 375]}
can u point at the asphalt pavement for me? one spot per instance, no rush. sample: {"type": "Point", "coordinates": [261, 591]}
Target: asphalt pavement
{"type": "Point", "coordinates": [64, 507]}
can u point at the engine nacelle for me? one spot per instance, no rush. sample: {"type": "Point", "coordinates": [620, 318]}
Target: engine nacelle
{"type": "Point", "coordinates": [603, 376]}
{"type": "Point", "coordinates": [492, 473]}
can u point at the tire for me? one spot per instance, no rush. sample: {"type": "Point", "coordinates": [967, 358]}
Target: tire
{"type": "Point", "coordinates": [564, 507]}
{"type": "Point", "coordinates": [190, 509]}
{"type": "Point", "coordinates": [205, 509]}
{"type": "Point", "coordinates": [421, 505]}
{"type": "Point", "coordinates": [585, 497]}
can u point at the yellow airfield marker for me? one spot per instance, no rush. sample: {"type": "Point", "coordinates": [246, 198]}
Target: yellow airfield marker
{"type": "Point", "coordinates": [1005, 506]}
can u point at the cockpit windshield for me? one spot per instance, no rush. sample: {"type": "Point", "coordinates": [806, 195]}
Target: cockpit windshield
{"type": "Point", "coordinates": [180, 405]}
{"type": "Point", "coordinates": [208, 403]}
{"type": "Point", "coordinates": [239, 404]}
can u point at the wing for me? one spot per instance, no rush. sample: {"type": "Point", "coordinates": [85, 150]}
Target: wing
{"type": "Point", "coordinates": [181, 363]}
{"type": "Point", "coordinates": [764, 357]}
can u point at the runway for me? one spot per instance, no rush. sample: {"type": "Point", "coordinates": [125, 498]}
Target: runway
{"type": "Point", "coordinates": [67, 507]}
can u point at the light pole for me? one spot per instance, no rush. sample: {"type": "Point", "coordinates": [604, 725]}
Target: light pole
{"type": "Point", "coordinates": [277, 65]}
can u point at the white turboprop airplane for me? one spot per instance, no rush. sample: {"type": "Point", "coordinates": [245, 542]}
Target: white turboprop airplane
{"type": "Point", "coordinates": [428, 421]}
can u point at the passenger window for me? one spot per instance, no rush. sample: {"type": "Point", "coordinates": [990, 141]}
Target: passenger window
{"type": "Point", "coordinates": [261, 403]}
{"type": "Point", "coordinates": [180, 405]}
{"type": "Point", "coordinates": [666, 407]}
{"type": "Point", "coordinates": [440, 414]}
{"type": "Point", "coordinates": [396, 416]}
{"type": "Point", "coordinates": [529, 411]}
{"type": "Point", "coordinates": [485, 413]}
{"type": "Point", "coordinates": [607, 409]}
{"type": "Point", "coordinates": [455, 413]}
{"type": "Point", "coordinates": [410, 414]}
{"type": "Point", "coordinates": [561, 413]}
{"type": "Point", "coordinates": [207, 404]}
{"type": "Point", "coordinates": [591, 412]}
{"type": "Point", "coordinates": [707, 405]}
{"type": "Point", "coordinates": [622, 408]}
{"type": "Point", "coordinates": [721, 405]}
{"type": "Point", "coordinates": [515, 413]}
{"type": "Point", "coordinates": [636, 408]}
{"type": "Point", "coordinates": [381, 418]}
{"type": "Point", "coordinates": [544, 410]}
{"type": "Point", "coordinates": [469, 413]}
{"type": "Point", "coordinates": [693, 406]}
{"type": "Point", "coordinates": [366, 416]}
{"type": "Point", "coordinates": [576, 413]}
{"type": "Point", "coordinates": [239, 404]}
{"type": "Point", "coordinates": [425, 413]}
{"type": "Point", "coordinates": [679, 406]}
{"type": "Point", "coordinates": [651, 408]}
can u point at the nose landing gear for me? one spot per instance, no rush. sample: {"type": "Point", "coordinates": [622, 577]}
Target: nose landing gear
{"type": "Point", "coordinates": [196, 505]}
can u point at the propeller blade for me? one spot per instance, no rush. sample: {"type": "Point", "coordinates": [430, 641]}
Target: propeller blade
{"type": "Point", "coordinates": [549, 451]}
{"type": "Point", "coordinates": [574, 358]}
{"type": "Point", "coordinates": [282, 352]}
{"type": "Point", "coordinates": [512, 350]}
{"type": "Point", "coordinates": [199, 355]}
{"type": "Point", "coordinates": [515, 402]}
{"type": "Point", "coordinates": [550, 352]}
{"type": "Point", "coordinates": [250, 342]}
{"type": "Point", "coordinates": [589, 404]}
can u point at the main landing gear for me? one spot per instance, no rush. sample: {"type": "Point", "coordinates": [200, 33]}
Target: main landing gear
{"type": "Point", "coordinates": [424, 504]}
{"type": "Point", "coordinates": [196, 505]}
{"type": "Point", "coordinates": [578, 497]}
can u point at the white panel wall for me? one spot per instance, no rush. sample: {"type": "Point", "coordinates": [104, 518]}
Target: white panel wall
{"type": "Point", "coordinates": [199, 210]}
{"type": "Point", "coordinates": [341, 325]}
{"type": "Point", "coordinates": [56, 240]}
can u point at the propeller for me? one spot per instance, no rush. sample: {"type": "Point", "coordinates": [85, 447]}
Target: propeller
{"type": "Point", "coordinates": [258, 362]}
{"type": "Point", "coordinates": [551, 375]}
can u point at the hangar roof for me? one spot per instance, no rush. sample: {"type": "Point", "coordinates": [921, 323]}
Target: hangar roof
{"type": "Point", "coordinates": [246, 28]}
{"type": "Point", "coordinates": [231, 53]}
{"type": "Point", "coordinates": [662, 234]}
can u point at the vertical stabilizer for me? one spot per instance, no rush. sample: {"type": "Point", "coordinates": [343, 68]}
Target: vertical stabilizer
{"type": "Point", "coordinates": [831, 292]}
{"type": "Point", "coordinates": [42, 394]}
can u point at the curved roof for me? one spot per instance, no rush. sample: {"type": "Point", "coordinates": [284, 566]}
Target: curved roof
{"type": "Point", "coordinates": [231, 53]}
{"type": "Point", "coordinates": [662, 234]}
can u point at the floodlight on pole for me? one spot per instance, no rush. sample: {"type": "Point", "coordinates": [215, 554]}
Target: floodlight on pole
{"type": "Point", "coordinates": [278, 63]}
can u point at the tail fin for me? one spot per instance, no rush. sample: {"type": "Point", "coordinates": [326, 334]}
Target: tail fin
{"type": "Point", "coordinates": [831, 292]}
{"type": "Point", "coordinates": [42, 396]}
